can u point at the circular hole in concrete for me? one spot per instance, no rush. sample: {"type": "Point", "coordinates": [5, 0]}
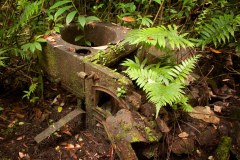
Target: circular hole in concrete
{"type": "Point", "coordinates": [83, 52]}
{"type": "Point", "coordinates": [93, 35]}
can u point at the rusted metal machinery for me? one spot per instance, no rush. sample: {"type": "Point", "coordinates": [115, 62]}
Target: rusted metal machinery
{"type": "Point", "coordinates": [91, 73]}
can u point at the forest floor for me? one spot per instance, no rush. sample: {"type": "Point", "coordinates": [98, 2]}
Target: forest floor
{"type": "Point", "coordinates": [214, 132]}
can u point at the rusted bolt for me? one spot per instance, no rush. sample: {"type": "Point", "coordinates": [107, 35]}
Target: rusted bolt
{"type": "Point", "coordinates": [82, 75]}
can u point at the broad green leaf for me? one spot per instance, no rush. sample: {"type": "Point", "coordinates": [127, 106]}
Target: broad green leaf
{"type": "Point", "coordinates": [41, 40]}
{"type": "Point", "coordinates": [32, 48]}
{"type": "Point", "coordinates": [61, 11]}
{"type": "Point", "coordinates": [82, 21]}
{"type": "Point", "coordinates": [78, 38]}
{"type": "Point", "coordinates": [38, 46]}
{"type": "Point", "coordinates": [25, 47]}
{"type": "Point", "coordinates": [91, 18]}
{"type": "Point", "coordinates": [1, 108]}
{"type": "Point", "coordinates": [158, 1]}
{"type": "Point", "coordinates": [56, 29]}
{"type": "Point", "coordinates": [60, 3]}
{"type": "Point", "coordinates": [88, 43]}
{"type": "Point", "coordinates": [70, 17]}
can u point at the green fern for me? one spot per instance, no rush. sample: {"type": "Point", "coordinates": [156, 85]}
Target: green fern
{"type": "Point", "coordinates": [163, 85]}
{"type": "Point", "coordinates": [31, 90]}
{"type": "Point", "coordinates": [159, 37]}
{"type": "Point", "coordinates": [219, 30]}
{"type": "Point", "coordinates": [30, 10]}
{"type": "Point", "coordinates": [2, 57]}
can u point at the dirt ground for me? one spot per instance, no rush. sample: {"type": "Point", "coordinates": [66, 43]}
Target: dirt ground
{"type": "Point", "coordinates": [188, 136]}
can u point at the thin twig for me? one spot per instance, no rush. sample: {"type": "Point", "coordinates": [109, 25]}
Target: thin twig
{"type": "Point", "coordinates": [158, 12]}
{"type": "Point", "coordinates": [190, 126]}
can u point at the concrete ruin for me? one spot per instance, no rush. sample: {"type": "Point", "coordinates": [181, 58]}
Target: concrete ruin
{"type": "Point", "coordinates": [92, 74]}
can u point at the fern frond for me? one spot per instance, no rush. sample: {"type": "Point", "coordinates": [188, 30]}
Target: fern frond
{"type": "Point", "coordinates": [163, 85]}
{"type": "Point", "coordinates": [181, 71]}
{"type": "Point", "coordinates": [29, 11]}
{"type": "Point", "coordinates": [219, 30]}
{"type": "Point", "coordinates": [161, 95]}
{"type": "Point", "coordinates": [159, 37]}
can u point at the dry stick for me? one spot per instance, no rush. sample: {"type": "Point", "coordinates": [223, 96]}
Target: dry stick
{"type": "Point", "coordinates": [190, 126]}
{"type": "Point", "coordinates": [204, 77]}
{"type": "Point", "coordinates": [4, 119]}
{"type": "Point", "coordinates": [178, 123]}
{"type": "Point", "coordinates": [158, 12]}
{"type": "Point", "coordinates": [52, 128]}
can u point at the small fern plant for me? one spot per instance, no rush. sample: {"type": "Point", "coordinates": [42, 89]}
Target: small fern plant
{"type": "Point", "coordinates": [219, 30]}
{"type": "Point", "coordinates": [162, 84]}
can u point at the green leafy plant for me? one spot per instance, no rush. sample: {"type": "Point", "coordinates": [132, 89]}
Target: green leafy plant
{"type": "Point", "coordinates": [82, 21]}
{"type": "Point", "coordinates": [29, 93]}
{"type": "Point", "coordinates": [30, 10]}
{"type": "Point", "coordinates": [160, 37]}
{"type": "Point", "coordinates": [57, 12]}
{"type": "Point", "coordinates": [33, 46]}
{"type": "Point", "coordinates": [162, 84]}
{"type": "Point", "coordinates": [2, 57]}
{"type": "Point", "coordinates": [219, 30]}
{"type": "Point", "coordinates": [121, 92]}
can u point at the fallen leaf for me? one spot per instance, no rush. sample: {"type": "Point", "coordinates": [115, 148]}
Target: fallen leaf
{"type": "Point", "coordinates": [150, 38]}
{"type": "Point", "coordinates": [78, 146]}
{"type": "Point", "coordinates": [20, 138]}
{"type": "Point", "coordinates": [183, 135]}
{"type": "Point", "coordinates": [205, 114]}
{"type": "Point", "coordinates": [217, 108]}
{"type": "Point", "coordinates": [225, 80]}
{"type": "Point", "coordinates": [20, 115]}
{"type": "Point", "coordinates": [25, 145]}
{"type": "Point", "coordinates": [69, 146]}
{"type": "Point", "coordinates": [50, 38]}
{"type": "Point", "coordinates": [67, 132]}
{"type": "Point", "coordinates": [21, 154]}
{"type": "Point", "coordinates": [63, 144]}
{"type": "Point", "coordinates": [215, 127]}
{"type": "Point", "coordinates": [56, 99]}
{"type": "Point", "coordinates": [12, 124]}
{"type": "Point", "coordinates": [60, 109]}
{"type": "Point", "coordinates": [128, 19]}
{"type": "Point", "coordinates": [21, 123]}
{"type": "Point", "coordinates": [57, 148]}
{"type": "Point", "coordinates": [215, 51]}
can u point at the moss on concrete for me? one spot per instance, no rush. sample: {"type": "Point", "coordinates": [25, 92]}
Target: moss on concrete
{"type": "Point", "coordinates": [150, 135]}
{"type": "Point", "coordinates": [222, 151]}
